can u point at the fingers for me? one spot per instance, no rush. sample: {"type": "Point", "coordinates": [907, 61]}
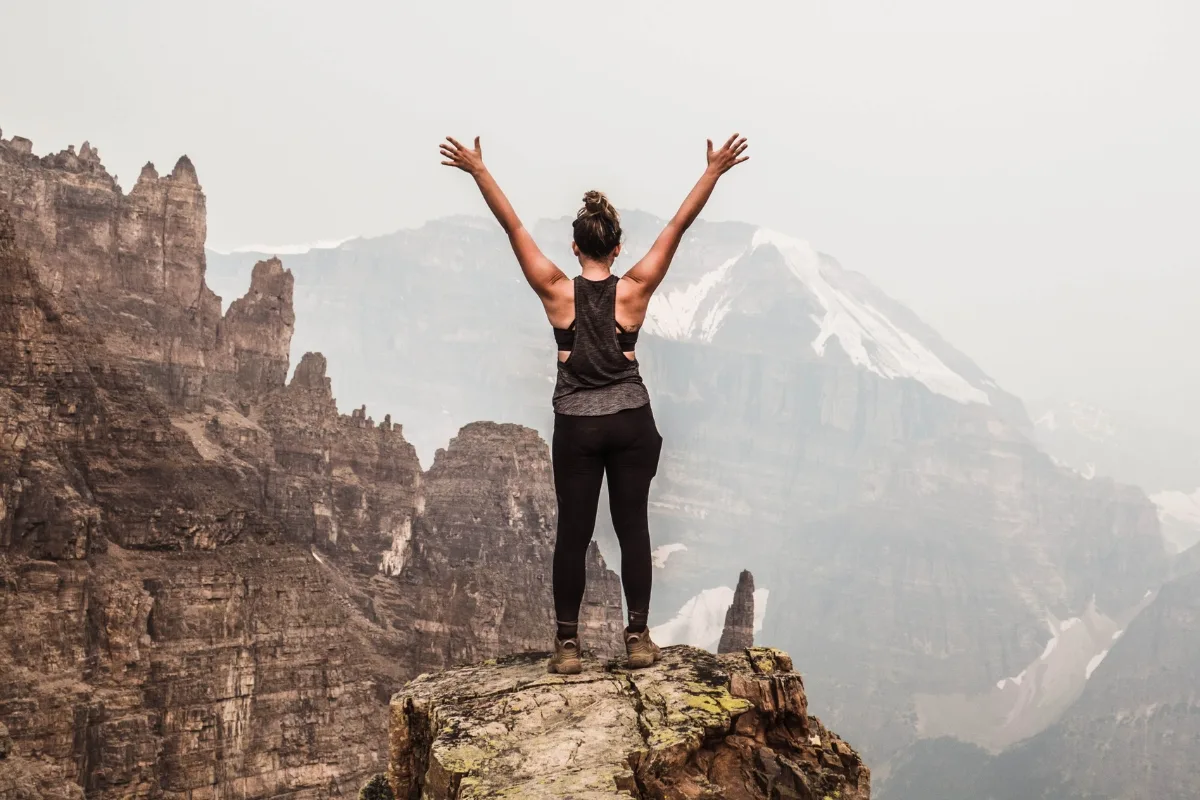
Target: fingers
{"type": "Point", "coordinates": [454, 142]}
{"type": "Point", "coordinates": [709, 146]}
{"type": "Point", "coordinates": [729, 142]}
{"type": "Point", "coordinates": [477, 148]}
{"type": "Point", "coordinates": [740, 160]}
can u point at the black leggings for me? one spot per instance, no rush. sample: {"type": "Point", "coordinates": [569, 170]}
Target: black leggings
{"type": "Point", "coordinates": [625, 445]}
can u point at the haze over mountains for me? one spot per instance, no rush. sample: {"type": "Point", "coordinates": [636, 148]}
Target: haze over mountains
{"type": "Point", "coordinates": [944, 585]}
{"type": "Point", "coordinates": [1163, 461]}
{"type": "Point", "coordinates": [934, 570]}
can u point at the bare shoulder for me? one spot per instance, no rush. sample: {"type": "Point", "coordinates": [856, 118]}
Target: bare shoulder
{"type": "Point", "coordinates": [559, 301]}
{"type": "Point", "coordinates": [633, 298]}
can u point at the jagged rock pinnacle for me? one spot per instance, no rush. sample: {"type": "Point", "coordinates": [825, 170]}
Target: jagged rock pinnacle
{"type": "Point", "coordinates": [738, 633]}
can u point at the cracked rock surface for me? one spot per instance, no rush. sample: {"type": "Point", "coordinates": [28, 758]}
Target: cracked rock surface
{"type": "Point", "coordinates": [695, 725]}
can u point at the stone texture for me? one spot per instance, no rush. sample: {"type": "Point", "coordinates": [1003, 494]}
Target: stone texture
{"type": "Point", "coordinates": [738, 633]}
{"type": "Point", "coordinates": [693, 726]}
{"type": "Point", "coordinates": [211, 580]}
{"type": "Point", "coordinates": [133, 265]}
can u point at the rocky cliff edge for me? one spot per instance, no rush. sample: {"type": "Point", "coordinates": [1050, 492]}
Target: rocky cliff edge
{"type": "Point", "coordinates": [696, 725]}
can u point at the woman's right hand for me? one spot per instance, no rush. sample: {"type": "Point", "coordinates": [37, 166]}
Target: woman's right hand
{"type": "Point", "coordinates": [728, 156]}
{"type": "Point", "coordinates": [468, 160]}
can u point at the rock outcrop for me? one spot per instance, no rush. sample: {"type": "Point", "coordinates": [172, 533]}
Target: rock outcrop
{"type": "Point", "coordinates": [738, 633]}
{"type": "Point", "coordinates": [210, 578]}
{"type": "Point", "coordinates": [695, 725]}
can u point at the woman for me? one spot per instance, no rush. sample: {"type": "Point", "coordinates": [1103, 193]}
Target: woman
{"type": "Point", "coordinates": [602, 417]}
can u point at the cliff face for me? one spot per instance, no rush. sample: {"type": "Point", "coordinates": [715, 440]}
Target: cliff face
{"type": "Point", "coordinates": [134, 263]}
{"type": "Point", "coordinates": [210, 579]}
{"type": "Point", "coordinates": [694, 725]}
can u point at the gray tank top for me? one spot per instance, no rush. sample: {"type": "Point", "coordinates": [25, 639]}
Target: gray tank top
{"type": "Point", "coordinates": [596, 378]}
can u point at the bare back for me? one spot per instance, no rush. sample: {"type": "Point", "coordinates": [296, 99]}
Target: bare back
{"type": "Point", "coordinates": [631, 307]}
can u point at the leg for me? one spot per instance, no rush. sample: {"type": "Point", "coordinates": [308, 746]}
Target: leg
{"type": "Point", "coordinates": [578, 473]}
{"type": "Point", "coordinates": [631, 467]}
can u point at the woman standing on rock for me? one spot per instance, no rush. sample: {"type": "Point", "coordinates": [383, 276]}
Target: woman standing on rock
{"type": "Point", "coordinates": [602, 417]}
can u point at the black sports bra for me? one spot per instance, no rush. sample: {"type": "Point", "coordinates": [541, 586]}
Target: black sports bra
{"type": "Point", "coordinates": [565, 337]}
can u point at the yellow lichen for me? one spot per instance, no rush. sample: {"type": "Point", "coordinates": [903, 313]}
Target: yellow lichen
{"type": "Point", "coordinates": [714, 700]}
{"type": "Point", "coordinates": [463, 759]}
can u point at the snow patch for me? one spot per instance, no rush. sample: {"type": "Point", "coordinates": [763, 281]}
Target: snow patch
{"type": "Point", "coordinates": [1117, 635]}
{"type": "Point", "coordinates": [317, 556]}
{"type": "Point", "coordinates": [672, 315]}
{"type": "Point", "coordinates": [663, 552]}
{"type": "Point", "coordinates": [701, 620]}
{"type": "Point", "coordinates": [1095, 662]}
{"type": "Point", "coordinates": [285, 249]}
{"type": "Point", "coordinates": [867, 336]}
{"type": "Point", "coordinates": [1178, 506]}
{"type": "Point", "coordinates": [1050, 645]}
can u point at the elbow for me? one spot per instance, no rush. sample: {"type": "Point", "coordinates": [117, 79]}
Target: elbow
{"type": "Point", "coordinates": [673, 232]}
{"type": "Point", "coordinates": [679, 225]}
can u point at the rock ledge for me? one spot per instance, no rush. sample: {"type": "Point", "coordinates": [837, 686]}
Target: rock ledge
{"type": "Point", "coordinates": [696, 725]}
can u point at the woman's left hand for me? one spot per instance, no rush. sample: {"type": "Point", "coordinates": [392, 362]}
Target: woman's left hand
{"type": "Point", "coordinates": [470, 161]}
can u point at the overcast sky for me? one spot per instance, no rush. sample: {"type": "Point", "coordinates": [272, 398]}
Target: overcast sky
{"type": "Point", "coordinates": [1025, 175]}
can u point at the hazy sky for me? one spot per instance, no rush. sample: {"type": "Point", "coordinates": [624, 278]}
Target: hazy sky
{"type": "Point", "coordinates": [1025, 175]}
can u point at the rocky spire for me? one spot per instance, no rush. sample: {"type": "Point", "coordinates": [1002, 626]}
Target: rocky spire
{"type": "Point", "coordinates": [739, 619]}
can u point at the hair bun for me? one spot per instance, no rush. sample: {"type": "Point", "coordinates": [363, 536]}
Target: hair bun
{"type": "Point", "coordinates": [597, 225]}
{"type": "Point", "coordinates": [595, 203]}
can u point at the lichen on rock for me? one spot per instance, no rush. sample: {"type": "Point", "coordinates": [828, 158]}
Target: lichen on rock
{"type": "Point", "coordinates": [694, 725]}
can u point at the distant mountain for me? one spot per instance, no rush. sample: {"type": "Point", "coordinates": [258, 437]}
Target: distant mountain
{"type": "Point", "coordinates": [1163, 461]}
{"type": "Point", "coordinates": [1134, 732]}
{"type": "Point", "coordinates": [933, 572]}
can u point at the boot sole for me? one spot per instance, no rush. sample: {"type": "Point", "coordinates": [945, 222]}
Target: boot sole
{"type": "Point", "coordinates": [565, 669]}
{"type": "Point", "coordinates": [642, 662]}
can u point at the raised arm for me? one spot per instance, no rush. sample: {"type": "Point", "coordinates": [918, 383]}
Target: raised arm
{"type": "Point", "coordinates": [648, 273]}
{"type": "Point", "coordinates": [540, 271]}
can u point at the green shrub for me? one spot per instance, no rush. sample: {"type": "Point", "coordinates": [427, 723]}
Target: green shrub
{"type": "Point", "coordinates": [376, 789]}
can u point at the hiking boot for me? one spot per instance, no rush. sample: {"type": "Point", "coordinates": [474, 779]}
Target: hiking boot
{"type": "Point", "coordinates": [565, 660]}
{"type": "Point", "coordinates": [641, 651]}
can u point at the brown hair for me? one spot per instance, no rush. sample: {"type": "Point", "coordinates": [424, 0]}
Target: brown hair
{"type": "Point", "coordinates": [597, 226]}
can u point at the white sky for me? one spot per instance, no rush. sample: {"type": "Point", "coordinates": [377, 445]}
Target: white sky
{"type": "Point", "coordinates": [1025, 175]}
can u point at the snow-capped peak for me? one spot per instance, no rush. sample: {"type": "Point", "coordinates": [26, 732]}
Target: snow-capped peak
{"type": "Point", "coordinates": [866, 335]}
